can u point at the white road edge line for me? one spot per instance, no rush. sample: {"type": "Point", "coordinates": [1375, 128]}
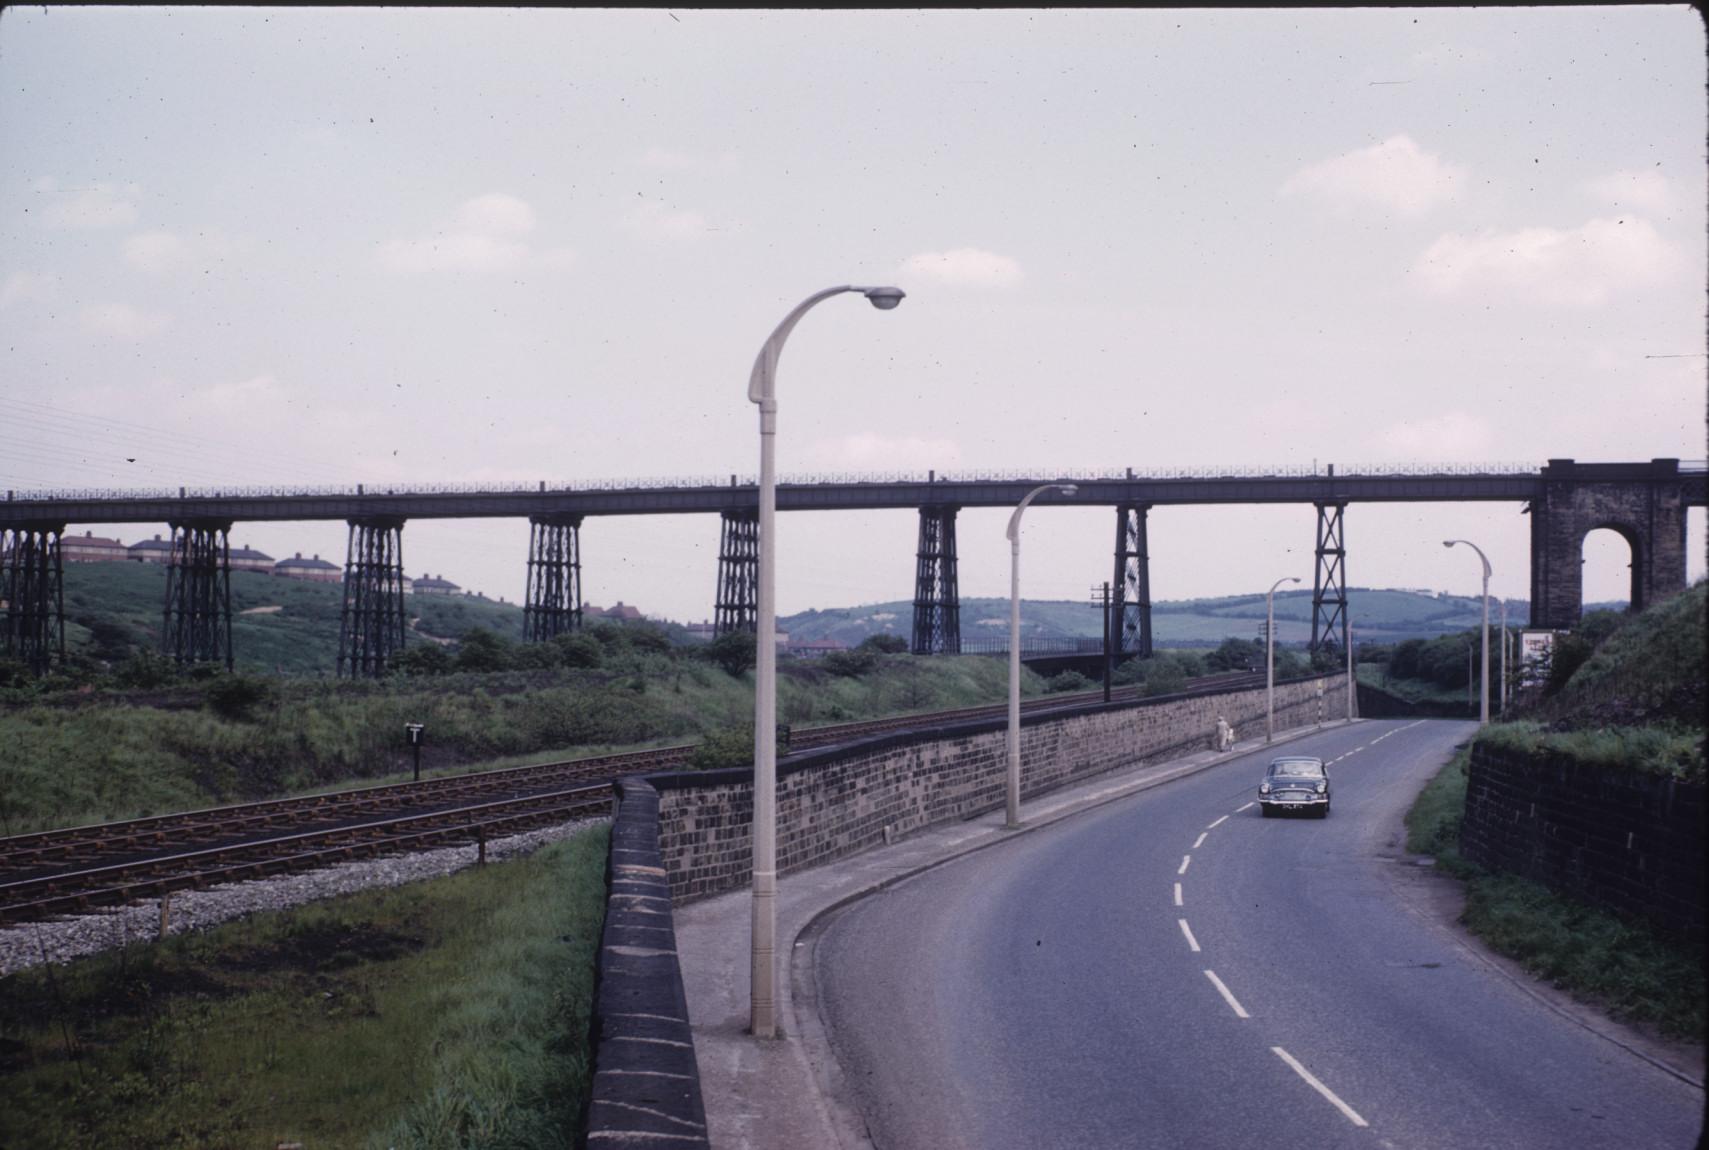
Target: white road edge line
{"type": "Point", "coordinates": [1201, 840]}
{"type": "Point", "coordinates": [1311, 1080]}
{"type": "Point", "coordinates": [1239, 1010]}
{"type": "Point", "coordinates": [1185, 859]}
{"type": "Point", "coordinates": [1178, 901]}
{"type": "Point", "coordinates": [1253, 803]}
{"type": "Point", "coordinates": [1217, 824]}
{"type": "Point", "coordinates": [1188, 931]}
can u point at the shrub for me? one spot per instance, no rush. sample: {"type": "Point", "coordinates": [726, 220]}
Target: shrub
{"type": "Point", "coordinates": [884, 644]}
{"type": "Point", "coordinates": [236, 697]}
{"type": "Point", "coordinates": [1236, 655]}
{"type": "Point", "coordinates": [421, 659]}
{"type": "Point", "coordinates": [727, 747]}
{"type": "Point", "coordinates": [578, 650]}
{"type": "Point", "coordinates": [482, 650]}
{"type": "Point", "coordinates": [850, 664]}
{"type": "Point", "coordinates": [735, 651]}
{"type": "Point", "coordinates": [1067, 681]}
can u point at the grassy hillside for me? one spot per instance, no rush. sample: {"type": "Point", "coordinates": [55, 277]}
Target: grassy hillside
{"type": "Point", "coordinates": [1378, 616]}
{"type": "Point", "coordinates": [282, 626]}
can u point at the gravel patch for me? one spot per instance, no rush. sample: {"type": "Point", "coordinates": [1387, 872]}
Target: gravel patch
{"type": "Point", "coordinates": [61, 940]}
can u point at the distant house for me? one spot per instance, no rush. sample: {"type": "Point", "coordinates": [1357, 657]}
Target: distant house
{"type": "Point", "coordinates": [90, 548]}
{"type": "Point", "coordinates": [156, 550]}
{"type": "Point", "coordinates": [618, 610]}
{"type": "Point", "coordinates": [315, 570]}
{"type": "Point", "coordinates": [815, 648]}
{"type": "Point", "coordinates": [435, 585]}
{"type": "Point", "coordinates": [249, 559]}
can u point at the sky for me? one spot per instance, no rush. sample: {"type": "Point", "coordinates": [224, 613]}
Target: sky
{"type": "Point", "coordinates": [289, 247]}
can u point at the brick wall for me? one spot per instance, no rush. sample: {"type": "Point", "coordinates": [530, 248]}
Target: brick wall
{"type": "Point", "coordinates": [1631, 842]}
{"type": "Point", "coordinates": [837, 801]}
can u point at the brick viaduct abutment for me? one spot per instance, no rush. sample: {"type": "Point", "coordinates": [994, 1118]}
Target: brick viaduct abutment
{"type": "Point", "coordinates": [1643, 503]}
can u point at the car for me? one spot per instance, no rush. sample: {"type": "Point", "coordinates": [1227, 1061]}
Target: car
{"type": "Point", "coordinates": [1294, 783]}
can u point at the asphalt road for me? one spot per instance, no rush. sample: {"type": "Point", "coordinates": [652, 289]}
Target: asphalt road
{"type": "Point", "coordinates": [1172, 970]}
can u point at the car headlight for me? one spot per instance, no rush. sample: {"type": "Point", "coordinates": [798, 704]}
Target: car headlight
{"type": "Point", "coordinates": [1263, 788]}
{"type": "Point", "coordinates": [1322, 786]}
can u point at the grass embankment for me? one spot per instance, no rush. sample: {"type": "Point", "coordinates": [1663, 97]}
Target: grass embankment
{"type": "Point", "coordinates": [446, 1014]}
{"type": "Point", "coordinates": [74, 759]}
{"type": "Point", "coordinates": [1634, 704]}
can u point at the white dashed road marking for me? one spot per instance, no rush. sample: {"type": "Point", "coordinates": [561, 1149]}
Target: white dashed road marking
{"type": "Point", "coordinates": [1311, 1080]}
{"type": "Point", "coordinates": [1253, 803]}
{"type": "Point", "coordinates": [1239, 1010]}
{"type": "Point", "coordinates": [1218, 823]}
{"type": "Point", "coordinates": [1188, 931]}
{"type": "Point", "coordinates": [1201, 840]}
{"type": "Point", "coordinates": [1185, 859]}
{"type": "Point", "coordinates": [1178, 901]}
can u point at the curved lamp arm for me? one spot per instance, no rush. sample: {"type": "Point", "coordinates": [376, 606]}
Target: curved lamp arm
{"type": "Point", "coordinates": [761, 383]}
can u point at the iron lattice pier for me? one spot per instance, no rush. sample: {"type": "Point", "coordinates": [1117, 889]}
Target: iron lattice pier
{"type": "Point", "coordinates": [196, 622]}
{"type": "Point", "coordinates": [371, 626]}
{"type": "Point", "coordinates": [937, 600]}
{"type": "Point", "coordinates": [1131, 605]}
{"type": "Point", "coordinates": [737, 607]}
{"type": "Point", "coordinates": [31, 581]}
{"type": "Point", "coordinates": [1329, 588]}
{"type": "Point", "coordinates": [554, 605]}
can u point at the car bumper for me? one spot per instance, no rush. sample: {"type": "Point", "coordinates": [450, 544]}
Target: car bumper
{"type": "Point", "coordinates": [1294, 803]}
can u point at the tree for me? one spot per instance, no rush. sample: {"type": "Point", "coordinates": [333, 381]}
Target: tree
{"type": "Point", "coordinates": [884, 644]}
{"type": "Point", "coordinates": [420, 659]}
{"type": "Point", "coordinates": [482, 650]}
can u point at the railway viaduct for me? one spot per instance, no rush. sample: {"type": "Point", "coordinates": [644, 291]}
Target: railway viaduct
{"type": "Point", "coordinates": [1644, 502]}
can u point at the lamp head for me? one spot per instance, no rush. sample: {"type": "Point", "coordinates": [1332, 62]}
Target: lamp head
{"type": "Point", "coordinates": [1069, 488]}
{"type": "Point", "coordinates": [884, 298]}
{"type": "Point", "coordinates": [1448, 542]}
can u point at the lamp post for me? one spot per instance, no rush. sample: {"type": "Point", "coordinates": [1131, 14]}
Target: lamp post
{"type": "Point", "coordinates": [1483, 698]}
{"type": "Point", "coordinates": [1270, 658]}
{"type": "Point", "coordinates": [1503, 691]}
{"type": "Point", "coordinates": [1013, 801]}
{"type": "Point", "coordinates": [1348, 624]}
{"type": "Point", "coordinates": [762, 390]}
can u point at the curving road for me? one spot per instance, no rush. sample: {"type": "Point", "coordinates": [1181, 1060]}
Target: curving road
{"type": "Point", "coordinates": [1172, 970]}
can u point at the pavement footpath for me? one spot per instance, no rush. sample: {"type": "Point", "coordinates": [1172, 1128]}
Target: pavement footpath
{"type": "Point", "coordinates": [787, 1093]}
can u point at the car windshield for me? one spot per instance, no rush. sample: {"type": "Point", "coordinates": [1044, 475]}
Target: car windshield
{"type": "Point", "coordinates": [1296, 770]}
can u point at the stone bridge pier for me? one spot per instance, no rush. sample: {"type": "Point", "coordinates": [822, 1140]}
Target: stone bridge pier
{"type": "Point", "coordinates": [1643, 503]}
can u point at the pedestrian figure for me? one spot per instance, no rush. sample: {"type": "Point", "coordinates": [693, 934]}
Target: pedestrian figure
{"type": "Point", "coordinates": [1224, 734]}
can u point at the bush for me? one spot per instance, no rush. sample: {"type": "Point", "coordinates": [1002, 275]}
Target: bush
{"type": "Point", "coordinates": [884, 644]}
{"type": "Point", "coordinates": [236, 697]}
{"type": "Point", "coordinates": [850, 664]}
{"type": "Point", "coordinates": [145, 670]}
{"type": "Point", "coordinates": [725, 748]}
{"type": "Point", "coordinates": [1164, 676]}
{"type": "Point", "coordinates": [578, 650]}
{"type": "Point", "coordinates": [421, 659]}
{"type": "Point", "coordinates": [735, 651]}
{"type": "Point", "coordinates": [1067, 681]}
{"type": "Point", "coordinates": [1236, 655]}
{"type": "Point", "coordinates": [483, 650]}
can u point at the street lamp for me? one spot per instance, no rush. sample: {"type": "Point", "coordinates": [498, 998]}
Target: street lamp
{"type": "Point", "coordinates": [1503, 691]}
{"type": "Point", "coordinates": [1014, 780]}
{"type": "Point", "coordinates": [1483, 698]}
{"type": "Point", "coordinates": [1270, 658]}
{"type": "Point", "coordinates": [762, 390]}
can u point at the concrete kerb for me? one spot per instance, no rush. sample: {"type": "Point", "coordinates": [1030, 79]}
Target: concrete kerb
{"type": "Point", "coordinates": [804, 1026]}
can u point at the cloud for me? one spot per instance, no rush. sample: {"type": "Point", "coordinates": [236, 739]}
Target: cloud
{"type": "Point", "coordinates": [657, 224]}
{"type": "Point", "coordinates": [89, 208]}
{"type": "Point", "coordinates": [1395, 174]}
{"type": "Point", "coordinates": [26, 287]}
{"type": "Point", "coordinates": [485, 234]}
{"type": "Point", "coordinates": [1645, 190]}
{"type": "Point", "coordinates": [1454, 435]}
{"type": "Point", "coordinates": [157, 252]}
{"type": "Point", "coordinates": [1575, 267]}
{"type": "Point", "coordinates": [122, 321]}
{"type": "Point", "coordinates": [869, 451]}
{"type": "Point", "coordinates": [973, 266]}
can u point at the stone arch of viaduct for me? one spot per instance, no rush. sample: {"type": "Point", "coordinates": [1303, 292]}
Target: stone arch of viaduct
{"type": "Point", "coordinates": [1644, 502]}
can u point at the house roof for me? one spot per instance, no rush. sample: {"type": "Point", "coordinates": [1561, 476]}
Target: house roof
{"type": "Point", "coordinates": [155, 544]}
{"type": "Point", "coordinates": [89, 539]}
{"type": "Point", "coordinates": [436, 581]}
{"type": "Point", "coordinates": [297, 562]}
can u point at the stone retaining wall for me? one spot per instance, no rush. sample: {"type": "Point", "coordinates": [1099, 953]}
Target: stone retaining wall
{"type": "Point", "coordinates": [836, 801]}
{"type": "Point", "coordinates": [1629, 841]}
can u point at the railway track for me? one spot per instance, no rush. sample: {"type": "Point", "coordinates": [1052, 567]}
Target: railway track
{"type": "Point", "coordinates": [106, 864]}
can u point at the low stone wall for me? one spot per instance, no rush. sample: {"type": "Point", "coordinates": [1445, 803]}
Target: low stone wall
{"type": "Point", "coordinates": [1629, 841]}
{"type": "Point", "coordinates": [836, 801]}
{"type": "Point", "coordinates": [646, 1085]}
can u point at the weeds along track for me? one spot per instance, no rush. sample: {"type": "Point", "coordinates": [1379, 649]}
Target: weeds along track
{"type": "Point", "coordinates": [106, 864]}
